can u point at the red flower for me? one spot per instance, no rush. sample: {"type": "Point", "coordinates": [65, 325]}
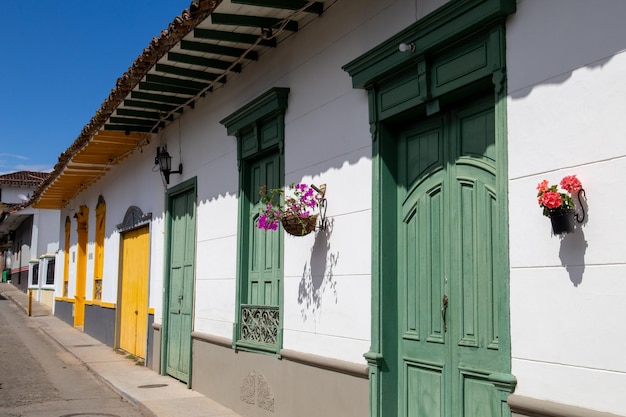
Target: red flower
{"type": "Point", "coordinates": [543, 186]}
{"type": "Point", "coordinates": [551, 200]}
{"type": "Point", "coordinates": [571, 184]}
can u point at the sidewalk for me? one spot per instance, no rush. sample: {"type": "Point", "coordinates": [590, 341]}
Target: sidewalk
{"type": "Point", "coordinates": [154, 394]}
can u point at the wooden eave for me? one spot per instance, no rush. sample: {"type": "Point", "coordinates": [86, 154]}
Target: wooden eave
{"type": "Point", "coordinates": [207, 45]}
{"type": "Point", "coordinates": [88, 164]}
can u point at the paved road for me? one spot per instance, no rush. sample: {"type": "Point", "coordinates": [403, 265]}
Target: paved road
{"type": "Point", "coordinates": [38, 378]}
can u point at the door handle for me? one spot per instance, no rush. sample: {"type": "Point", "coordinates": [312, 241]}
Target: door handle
{"type": "Point", "coordinates": [444, 308]}
{"type": "Point", "coordinates": [180, 299]}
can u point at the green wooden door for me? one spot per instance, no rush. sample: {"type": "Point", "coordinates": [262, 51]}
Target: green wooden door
{"type": "Point", "coordinates": [447, 271]}
{"type": "Point", "coordinates": [181, 279]}
{"type": "Point", "coordinates": [264, 259]}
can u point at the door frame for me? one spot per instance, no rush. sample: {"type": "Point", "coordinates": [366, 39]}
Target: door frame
{"type": "Point", "coordinates": [468, 34]}
{"type": "Point", "coordinates": [189, 185]}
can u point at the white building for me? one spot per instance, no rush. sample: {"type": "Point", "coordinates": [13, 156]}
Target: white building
{"type": "Point", "coordinates": [29, 237]}
{"type": "Point", "coordinates": [437, 287]}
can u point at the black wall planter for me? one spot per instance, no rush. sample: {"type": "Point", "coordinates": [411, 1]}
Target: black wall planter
{"type": "Point", "coordinates": [562, 221]}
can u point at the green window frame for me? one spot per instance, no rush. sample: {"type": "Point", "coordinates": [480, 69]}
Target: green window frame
{"type": "Point", "coordinates": [259, 127]}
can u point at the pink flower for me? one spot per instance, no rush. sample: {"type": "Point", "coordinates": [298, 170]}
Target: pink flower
{"type": "Point", "coordinates": [303, 199]}
{"type": "Point", "coordinates": [543, 186]}
{"type": "Point", "coordinates": [551, 200]}
{"type": "Point", "coordinates": [571, 184]}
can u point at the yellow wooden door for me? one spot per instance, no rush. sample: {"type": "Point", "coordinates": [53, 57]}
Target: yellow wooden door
{"type": "Point", "coordinates": [134, 291]}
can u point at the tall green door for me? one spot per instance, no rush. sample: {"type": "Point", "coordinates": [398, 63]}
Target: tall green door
{"type": "Point", "coordinates": [448, 271]}
{"type": "Point", "coordinates": [181, 279]}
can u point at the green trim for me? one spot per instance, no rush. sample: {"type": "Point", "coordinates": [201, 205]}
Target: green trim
{"type": "Point", "coordinates": [384, 291]}
{"type": "Point", "coordinates": [272, 102]}
{"type": "Point", "coordinates": [190, 184]}
{"type": "Point", "coordinates": [448, 23]}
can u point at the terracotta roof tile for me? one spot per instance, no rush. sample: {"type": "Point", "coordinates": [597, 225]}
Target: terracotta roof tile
{"type": "Point", "coordinates": [24, 179]}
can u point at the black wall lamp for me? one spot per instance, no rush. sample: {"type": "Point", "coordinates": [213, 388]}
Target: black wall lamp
{"type": "Point", "coordinates": [164, 161]}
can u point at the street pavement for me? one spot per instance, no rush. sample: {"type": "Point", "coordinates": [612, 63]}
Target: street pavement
{"type": "Point", "coordinates": [154, 394]}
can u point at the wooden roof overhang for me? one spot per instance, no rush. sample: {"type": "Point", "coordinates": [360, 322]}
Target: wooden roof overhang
{"type": "Point", "coordinates": [202, 49]}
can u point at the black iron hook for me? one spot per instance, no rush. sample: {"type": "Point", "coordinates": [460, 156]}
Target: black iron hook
{"type": "Point", "coordinates": [581, 219]}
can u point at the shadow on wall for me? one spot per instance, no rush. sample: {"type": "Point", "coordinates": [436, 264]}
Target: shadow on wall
{"type": "Point", "coordinates": [317, 276]}
{"type": "Point", "coordinates": [572, 254]}
{"type": "Point", "coordinates": [574, 245]}
{"type": "Point", "coordinates": [562, 39]}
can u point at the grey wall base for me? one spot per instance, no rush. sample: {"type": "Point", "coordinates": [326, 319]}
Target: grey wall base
{"type": "Point", "coordinates": [531, 407]}
{"type": "Point", "coordinates": [100, 324]}
{"type": "Point", "coordinates": [259, 385]}
{"type": "Point", "coordinates": [64, 311]}
{"type": "Point", "coordinates": [154, 348]}
{"type": "Point", "coordinates": [149, 348]}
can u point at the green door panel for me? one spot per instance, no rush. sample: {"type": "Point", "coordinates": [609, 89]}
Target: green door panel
{"type": "Point", "coordinates": [181, 280]}
{"type": "Point", "coordinates": [264, 246]}
{"type": "Point", "coordinates": [447, 277]}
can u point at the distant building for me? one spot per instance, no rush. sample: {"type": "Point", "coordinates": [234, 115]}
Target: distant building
{"type": "Point", "coordinates": [29, 237]}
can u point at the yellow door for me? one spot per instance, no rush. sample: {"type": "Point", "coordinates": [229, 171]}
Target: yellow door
{"type": "Point", "coordinates": [134, 293]}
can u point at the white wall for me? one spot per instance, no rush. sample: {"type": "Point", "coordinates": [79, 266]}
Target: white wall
{"type": "Point", "coordinates": [47, 224]}
{"type": "Point", "coordinates": [11, 194]}
{"type": "Point", "coordinates": [566, 66]}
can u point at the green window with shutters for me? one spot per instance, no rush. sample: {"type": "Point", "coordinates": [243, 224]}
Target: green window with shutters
{"type": "Point", "coordinates": [259, 129]}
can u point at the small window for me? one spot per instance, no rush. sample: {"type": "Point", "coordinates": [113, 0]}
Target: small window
{"type": "Point", "coordinates": [50, 273]}
{"type": "Point", "coordinates": [35, 274]}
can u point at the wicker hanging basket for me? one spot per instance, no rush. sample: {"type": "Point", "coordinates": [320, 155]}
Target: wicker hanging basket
{"type": "Point", "coordinates": [299, 226]}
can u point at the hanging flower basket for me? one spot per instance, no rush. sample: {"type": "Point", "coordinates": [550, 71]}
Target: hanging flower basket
{"type": "Point", "coordinates": [293, 211]}
{"type": "Point", "coordinates": [560, 207]}
{"type": "Point", "coordinates": [562, 221]}
{"type": "Point", "coordinates": [299, 226]}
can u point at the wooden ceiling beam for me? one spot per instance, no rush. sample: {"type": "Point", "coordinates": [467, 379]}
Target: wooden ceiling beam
{"type": "Point", "coordinates": [210, 48]}
{"type": "Point", "coordinates": [316, 7]}
{"type": "Point", "coordinates": [252, 21]}
{"type": "Point", "coordinates": [234, 37]}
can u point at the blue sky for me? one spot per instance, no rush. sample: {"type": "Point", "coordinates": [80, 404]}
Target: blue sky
{"type": "Point", "coordinates": [60, 61]}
